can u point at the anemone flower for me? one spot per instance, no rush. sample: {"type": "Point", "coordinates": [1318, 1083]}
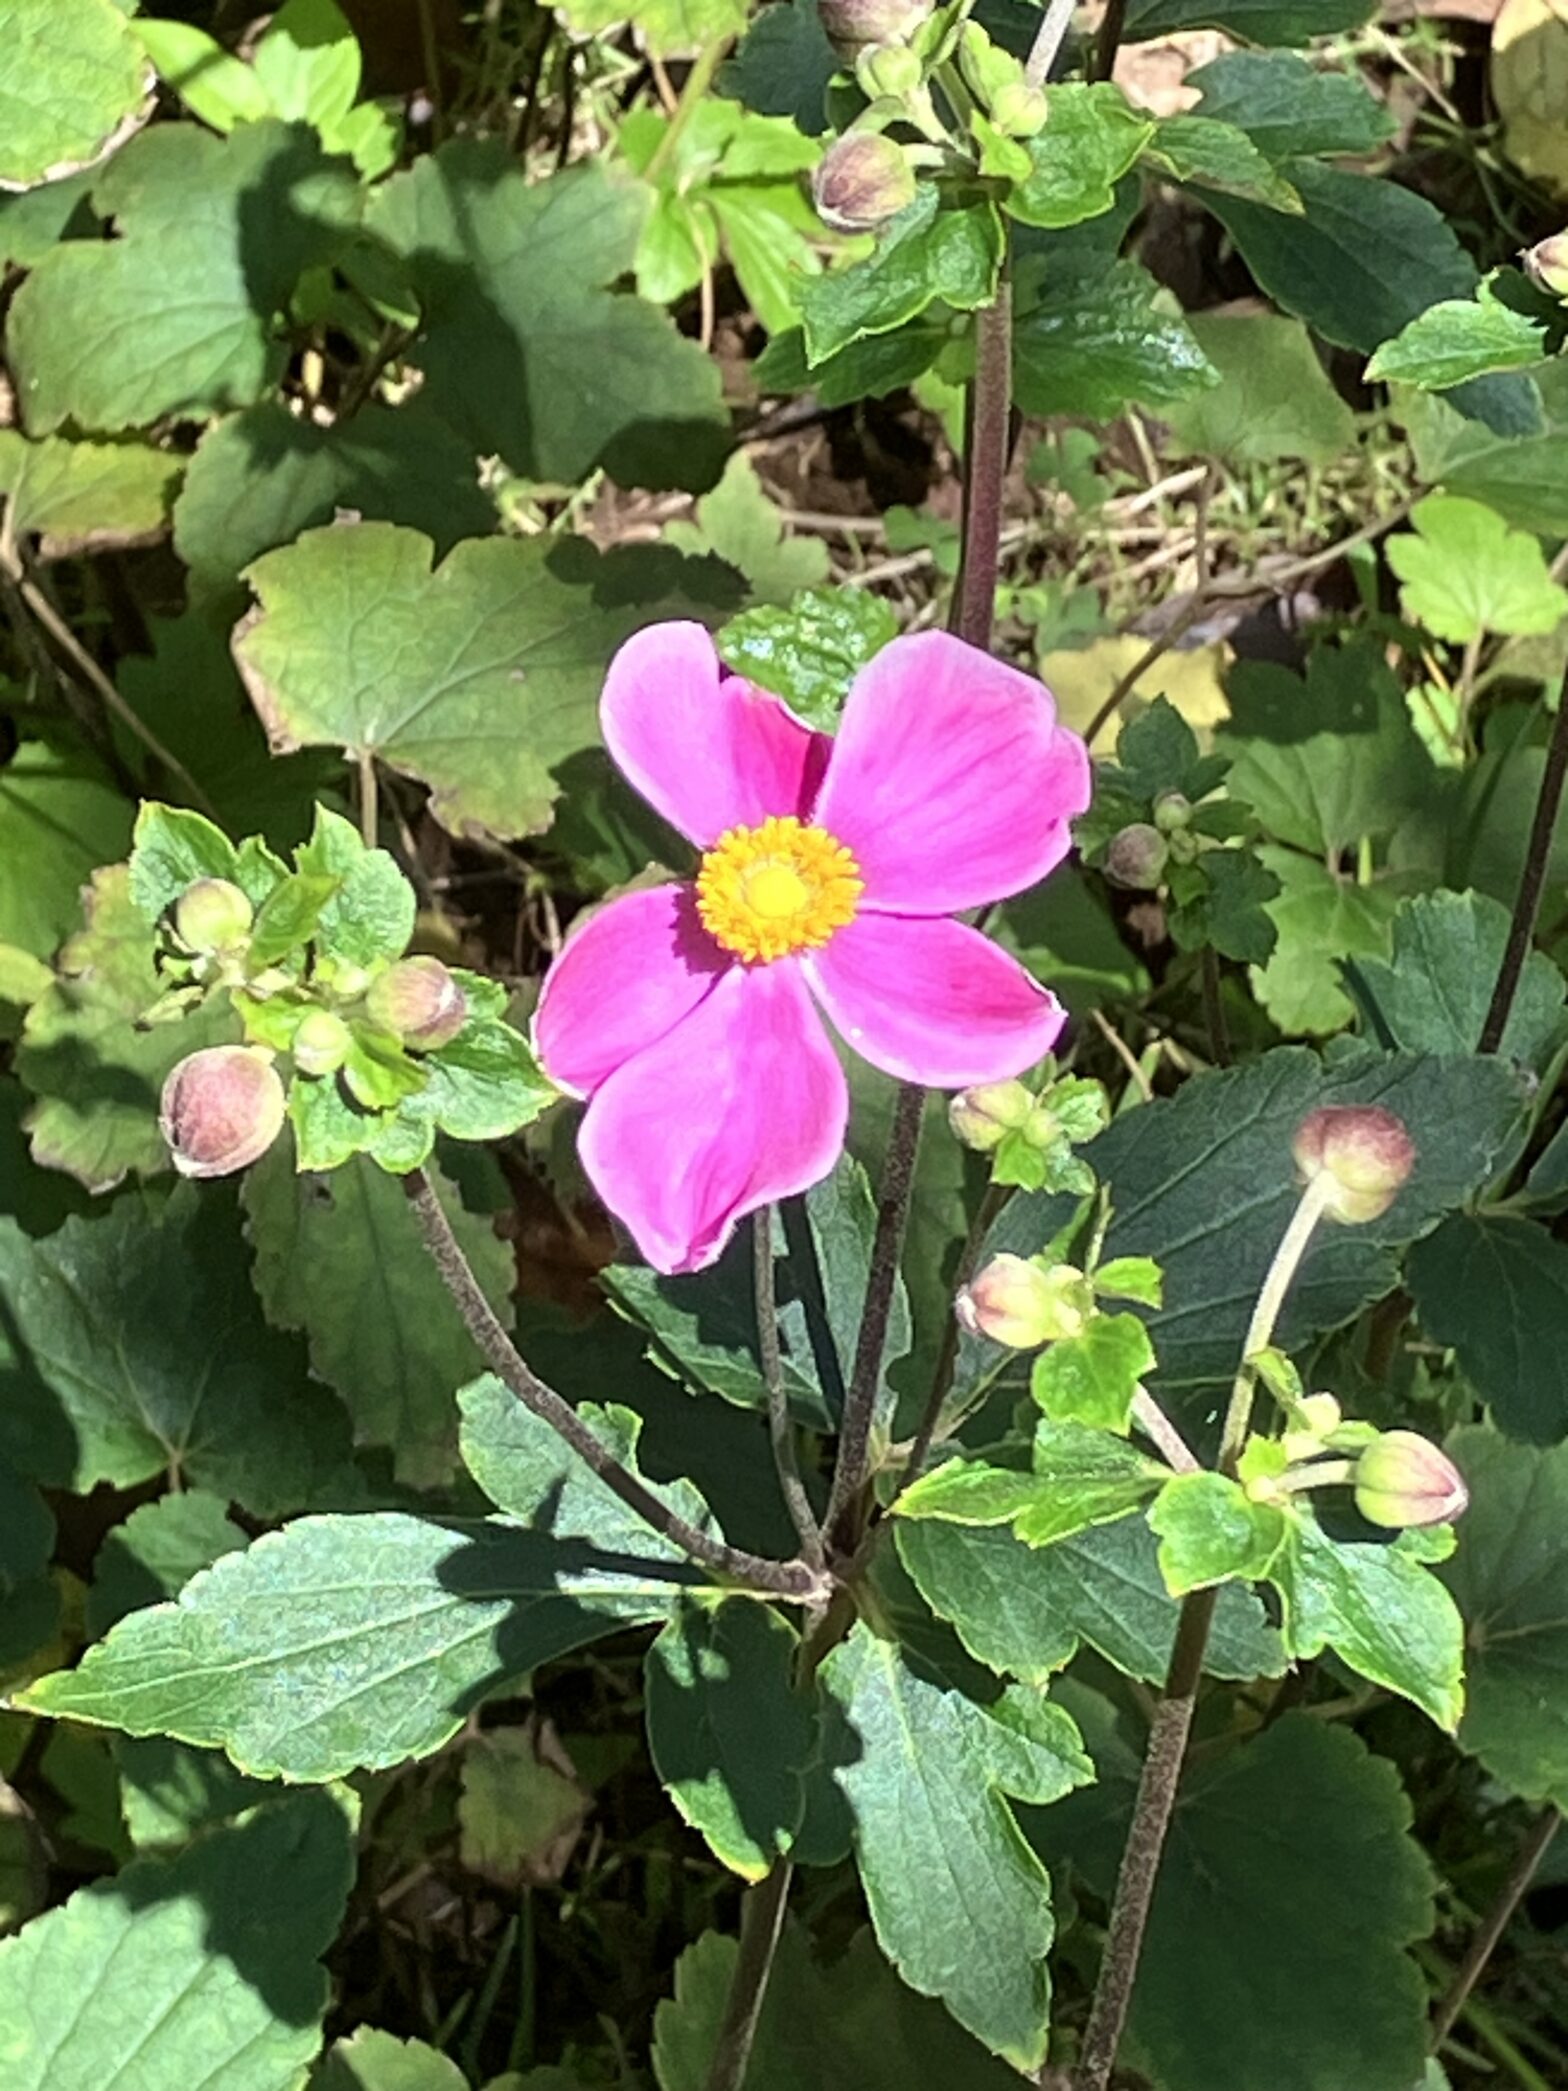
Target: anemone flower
{"type": "Point", "coordinates": [687, 1014]}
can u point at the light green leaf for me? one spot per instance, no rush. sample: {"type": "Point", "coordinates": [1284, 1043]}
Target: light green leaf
{"type": "Point", "coordinates": [86, 497]}
{"type": "Point", "coordinates": [1091, 138]}
{"type": "Point", "coordinates": [1320, 920]}
{"type": "Point", "coordinates": [370, 2060]}
{"type": "Point", "coordinates": [729, 1733]}
{"type": "Point", "coordinates": [525, 349]}
{"type": "Point", "coordinates": [926, 255]}
{"type": "Point", "coordinates": [810, 653]}
{"type": "Point", "coordinates": [23, 978]}
{"type": "Point", "coordinates": [1460, 338]}
{"type": "Point", "coordinates": [1495, 1288]}
{"type": "Point", "coordinates": [1096, 339]}
{"type": "Point", "coordinates": [60, 818]}
{"type": "Point", "coordinates": [1465, 572]}
{"type": "Point", "coordinates": [213, 84]}
{"type": "Point", "coordinates": [1081, 1477]}
{"type": "Point", "coordinates": [368, 917]}
{"type": "Point", "coordinates": [739, 524]}
{"type": "Point", "coordinates": [1092, 1378]}
{"type": "Point", "coordinates": [179, 315]}
{"type": "Point", "coordinates": [670, 28]}
{"type": "Point", "coordinates": [1380, 1609]}
{"type": "Point", "coordinates": [769, 248]}
{"type": "Point", "coordinates": [1209, 1532]}
{"type": "Point", "coordinates": [1432, 994]}
{"type": "Point", "coordinates": [1208, 154]}
{"type": "Point", "coordinates": [340, 1260]}
{"type": "Point", "coordinates": [204, 1968]}
{"type": "Point", "coordinates": [478, 676]}
{"type": "Point", "coordinates": [308, 64]}
{"type": "Point", "coordinates": [1289, 108]}
{"type": "Point", "coordinates": [72, 77]}
{"type": "Point", "coordinates": [1274, 399]}
{"type": "Point", "coordinates": [514, 1806]}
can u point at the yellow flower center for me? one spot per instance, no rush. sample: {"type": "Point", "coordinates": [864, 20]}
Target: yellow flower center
{"type": "Point", "coordinates": [780, 887]}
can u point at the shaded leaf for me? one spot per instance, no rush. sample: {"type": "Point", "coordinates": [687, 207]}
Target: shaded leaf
{"type": "Point", "coordinates": [1432, 993]}
{"type": "Point", "coordinates": [1288, 108]}
{"type": "Point", "coordinates": [1274, 399]}
{"type": "Point", "coordinates": [1095, 339]}
{"type": "Point", "coordinates": [1495, 1288]}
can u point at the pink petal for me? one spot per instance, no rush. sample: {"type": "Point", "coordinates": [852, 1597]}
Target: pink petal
{"type": "Point", "coordinates": [933, 1002]}
{"type": "Point", "coordinates": [743, 1102]}
{"type": "Point", "coordinates": [708, 750]}
{"type": "Point", "coordinates": [950, 779]}
{"type": "Point", "coordinates": [624, 979]}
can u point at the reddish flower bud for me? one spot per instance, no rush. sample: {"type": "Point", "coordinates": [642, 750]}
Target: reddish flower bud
{"type": "Point", "coordinates": [1404, 1479]}
{"type": "Point", "coordinates": [1364, 1149]}
{"type": "Point", "coordinates": [981, 1118]}
{"type": "Point", "coordinates": [418, 1001]}
{"type": "Point", "coordinates": [1547, 265]}
{"type": "Point", "coordinates": [222, 1109]}
{"type": "Point", "coordinates": [862, 181]}
{"type": "Point", "coordinates": [320, 1045]}
{"type": "Point", "coordinates": [212, 915]}
{"type": "Point", "coordinates": [1137, 857]}
{"type": "Point", "coordinates": [853, 24]}
{"type": "Point", "coordinates": [1018, 1302]}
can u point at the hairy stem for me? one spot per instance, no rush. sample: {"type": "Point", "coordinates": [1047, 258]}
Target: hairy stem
{"type": "Point", "coordinates": [781, 1428]}
{"type": "Point", "coordinates": [1162, 1433]}
{"type": "Point", "coordinates": [986, 1212]}
{"type": "Point", "coordinates": [1527, 901]}
{"type": "Point", "coordinates": [761, 1926]}
{"type": "Point", "coordinates": [987, 451]}
{"type": "Point", "coordinates": [796, 1580]}
{"type": "Point", "coordinates": [1509, 1896]}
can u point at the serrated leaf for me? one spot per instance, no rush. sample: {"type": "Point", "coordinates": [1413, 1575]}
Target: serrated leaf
{"type": "Point", "coordinates": [1091, 138]}
{"type": "Point", "coordinates": [72, 76]}
{"type": "Point", "coordinates": [1494, 1288]}
{"type": "Point", "coordinates": [783, 66]}
{"type": "Point", "coordinates": [1209, 1532]}
{"type": "Point", "coordinates": [1274, 399]}
{"type": "Point", "coordinates": [515, 1806]}
{"type": "Point", "coordinates": [1081, 1477]}
{"type": "Point", "coordinates": [1208, 154]}
{"type": "Point", "coordinates": [1092, 1378]}
{"type": "Point", "coordinates": [740, 525]}
{"type": "Point", "coordinates": [206, 1966]}
{"type": "Point", "coordinates": [368, 916]}
{"type": "Point", "coordinates": [86, 497]}
{"type": "Point", "coordinates": [1320, 920]}
{"type": "Point", "coordinates": [478, 676]}
{"type": "Point", "coordinates": [1230, 909]}
{"type": "Point", "coordinates": [180, 314]}
{"type": "Point", "coordinates": [1506, 328]}
{"type": "Point", "coordinates": [810, 652]}
{"type": "Point", "coordinates": [525, 348]}
{"type": "Point", "coordinates": [1095, 339]}
{"type": "Point", "coordinates": [1432, 993]}
{"type": "Point", "coordinates": [1291, 109]}
{"type": "Point", "coordinates": [1464, 572]}
{"type": "Point", "coordinates": [60, 818]}
{"type": "Point", "coordinates": [924, 255]}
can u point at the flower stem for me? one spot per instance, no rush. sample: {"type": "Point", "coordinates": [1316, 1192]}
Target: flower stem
{"type": "Point", "coordinates": [694, 88]}
{"type": "Point", "coordinates": [761, 1927]}
{"type": "Point", "coordinates": [994, 1198]}
{"type": "Point", "coordinates": [781, 1428]}
{"type": "Point", "coordinates": [987, 452]}
{"type": "Point", "coordinates": [796, 1580]}
{"type": "Point", "coordinates": [1048, 41]}
{"type": "Point", "coordinates": [1484, 1944]}
{"type": "Point", "coordinates": [1260, 1330]}
{"type": "Point", "coordinates": [1527, 901]}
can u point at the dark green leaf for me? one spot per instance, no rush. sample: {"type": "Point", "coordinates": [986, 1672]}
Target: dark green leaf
{"type": "Point", "coordinates": [928, 254]}
{"type": "Point", "coordinates": [1433, 993]}
{"type": "Point", "coordinates": [783, 66]}
{"type": "Point", "coordinates": [1495, 1288]}
{"type": "Point", "coordinates": [1258, 21]}
{"type": "Point", "coordinates": [1095, 340]}
{"type": "Point", "coordinates": [810, 653]}
{"type": "Point", "coordinates": [1291, 109]}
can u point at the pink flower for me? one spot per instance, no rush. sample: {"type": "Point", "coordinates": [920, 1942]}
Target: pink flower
{"type": "Point", "coordinates": [685, 1014]}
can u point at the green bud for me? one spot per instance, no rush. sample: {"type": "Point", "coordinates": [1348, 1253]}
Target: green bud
{"type": "Point", "coordinates": [889, 72]}
{"type": "Point", "coordinates": [1136, 857]}
{"type": "Point", "coordinates": [1316, 1417]}
{"type": "Point", "coordinates": [419, 1002]}
{"type": "Point", "coordinates": [321, 1042]}
{"type": "Point", "coordinates": [1404, 1479]}
{"type": "Point", "coordinates": [1019, 109]}
{"type": "Point", "coordinates": [1019, 1302]}
{"type": "Point", "coordinates": [982, 1117]}
{"type": "Point", "coordinates": [212, 915]}
{"type": "Point", "coordinates": [862, 181]}
{"type": "Point", "coordinates": [1364, 1150]}
{"type": "Point", "coordinates": [221, 1110]}
{"type": "Point", "coordinates": [1547, 265]}
{"type": "Point", "coordinates": [1172, 811]}
{"type": "Point", "coordinates": [852, 25]}
{"type": "Point", "coordinates": [986, 67]}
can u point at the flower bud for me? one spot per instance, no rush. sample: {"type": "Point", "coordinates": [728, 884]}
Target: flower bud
{"type": "Point", "coordinates": [222, 1108]}
{"type": "Point", "coordinates": [1316, 1418]}
{"type": "Point", "coordinates": [853, 24]}
{"type": "Point", "coordinates": [1404, 1479]}
{"type": "Point", "coordinates": [888, 72]}
{"type": "Point", "coordinates": [1017, 1302]}
{"type": "Point", "coordinates": [981, 1118]}
{"type": "Point", "coordinates": [1019, 109]}
{"type": "Point", "coordinates": [1364, 1149]}
{"type": "Point", "coordinates": [1546, 263]}
{"type": "Point", "coordinates": [863, 180]}
{"type": "Point", "coordinates": [1136, 857]}
{"type": "Point", "coordinates": [418, 1001]}
{"type": "Point", "coordinates": [1172, 811]}
{"type": "Point", "coordinates": [320, 1045]}
{"type": "Point", "coordinates": [212, 915]}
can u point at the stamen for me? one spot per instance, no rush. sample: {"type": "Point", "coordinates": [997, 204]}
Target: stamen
{"type": "Point", "coordinates": [766, 891]}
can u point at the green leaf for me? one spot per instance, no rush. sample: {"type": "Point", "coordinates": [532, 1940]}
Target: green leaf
{"type": "Point", "coordinates": [514, 1806]}
{"type": "Point", "coordinates": [96, 1078]}
{"type": "Point", "coordinates": [344, 1643]}
{"type": "Point", "coordinates": [525, 349]}
{"type": "Point", "coordinates": [1495, 1289]}
{"type": "Point", "coordinates": [960, 1904]}
{"type": "Point", "coordinates": [206, 1967]}
{"type": "Point", "coordinates": [1091, 139]}
{"type": "Point", "coordinates": [1096, 339]}
{"type": "Point", "coordinates": [1028, 1610]}
{"type": "Point", "coordinates": [1320, 921]}
{"type": "Point", "coordinates": [478, 676]}
{"type": "Point", "coordinates": [86, 497]}
{"type": "Point", "coordinates": [670, 28]}
{"type": "Point", "coordinates": [739, 524]}
{"type": "Point", "coordinates": [367, 917]}
{"type": "Point", "coordinates": [1207, 154]}
{"type": "Point", "coordinates": [173, 848]}
{"type": "Point", "coordinates": [71, 78]}
{"type": "Point", "coordinates": [811, 652]}
{"type": "Point", "coordinates": [1274, 400]}
{"type": "Point", "coordinates": [1258, 21]}
{"type": "Point", "coordinates": [868, 369]}
{"type": "Point", "coordinates": [1081, 1477]}
{"type": "Point", "coordinates": [926, 255]}
{"type": "Point", "coordinates": [340, 1260]}
{"type": "Point", "coordinates": [1381, 1610]}
{"type": "Point", "coordinates": [180, 314]}
{"type": "Point", "coordinates": [783, 66]}
{"type": "Point", "coordinates": [1458, 338]}
{"type": "Point", "coordinates": [1230, 908]}
{"type": "Point", "coordinates": [1526, 482]}
{"type": "Point", "coordinates": [1092, 1378]}
{"type": "Point", "coordinates": [260, 477]}
{"type": "Point", "coordinates": [1291, 109]}
{"type": "Point", "coordinates": [1465, 572]}
{"type": "Point", "coordinates": [1432, 994]}
{"type": "Point", "coordinates": [1205, 1183]}
{"type": "Point", "coordinates": [370, 2060]}
{"type": "Point", "coordinates": [29, 1608]}
{"type": "Point", "coordinates": [308, 63]}
{"type": "Point", "coordinates": [1209, 1532]}
{"type": "Point", "coordinates": [1509, 1577]}
{"type": "Point", "coordinates": [1292, 1852]}
{"type": "Point", "coordinates": [60, 818]}
{"type": "Point", "coordinates": [213, 84]}
{"type": "Point", "coordinates": [729, 1733]}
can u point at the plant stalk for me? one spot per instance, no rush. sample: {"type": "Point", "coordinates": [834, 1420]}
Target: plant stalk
{"type": "Point", "coordinates": [987, 453]}
{"type": "Point", "coordinates": [1484, 1944]}
{"type": "Point", "coordinates": [795, 1580]}
{"type": "Point", "coordinates": [781, 1428]}
{"type": "Point", "coordinates": [1532, 879]}
{"type": "Point", "coordinates": [1109, 40]}
{"type": "Point", "coordinates": [986, 1213]}
{"type": "Point", "coordinates": [761, 1927]}
{"type": "Point", "coordinates": [694, 89]}
{"type": "Point", "coordinates": [1048, 41]}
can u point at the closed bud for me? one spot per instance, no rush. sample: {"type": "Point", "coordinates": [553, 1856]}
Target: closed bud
{"type": "Point", "coordinates": [982, 1118]}
{"type": "Point", "coordinates": [888, 72]}
{"type": "Point", "coordinates": [862, 181]}
{"type": "Point", "coordinates": [320, 1045]}
{"type": "Point", "coordinates": [419, 1002]}
{"type": "Point", "coordinates": [1404, 1479]}
{"type": "Point", "coordinates": [1172, 811]}
{"type": "Point", "coordinates": [221, 1110]}
{"type": "Point", "coordinates": [1316, 1418]}
{"type": "Point", "coordinates": [852, 25]}
{"type": "Point", "coordinates": [1019, 109]}
{"type": "Point", "coordinates": [1137, 857]}
{"type": "Point", "coordinates": [212, 915]}
{"type": "Point", "coordinates": [1020, 1303]}
{"type": "Point", "coordinates": [1363, 1150]}
{"type": "Point", "coordinates": [1547, 265]}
